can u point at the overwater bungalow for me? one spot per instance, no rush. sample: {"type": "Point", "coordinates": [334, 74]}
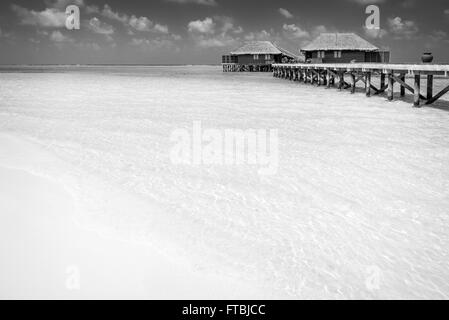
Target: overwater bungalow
{"type": "Point", "coordinates": [257, 56]}
{"type": "Point", "coordinates": [343, 48]}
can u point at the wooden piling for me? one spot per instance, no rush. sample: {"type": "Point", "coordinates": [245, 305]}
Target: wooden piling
{"type": "Point", "coordinates": [368, 84]}
{"type": "Point", "coordinates": [402, 77]}
{"type": "Point", "coordinates": [353, 83]}
{"type": "Point", "coordinates": [390, 87]}
{"type": "Point", "coordinates": [429, 87]}
{"type": "Point", "coordinates": [341, 80]}
{"type": "Point", "coordinates": [417, 97]}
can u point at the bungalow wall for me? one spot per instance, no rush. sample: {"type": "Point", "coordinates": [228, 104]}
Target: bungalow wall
{"type": "Point", "coordinates": [249, 59]}
{"type": "Point", "coordinates": [348, 56]}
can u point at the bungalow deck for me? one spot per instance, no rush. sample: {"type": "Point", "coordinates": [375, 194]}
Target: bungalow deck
{"type": "Point", "coordinates": [334, 74]}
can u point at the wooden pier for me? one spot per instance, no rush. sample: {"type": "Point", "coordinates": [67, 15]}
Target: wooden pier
{"type": "Point", "coordinates": [331, 75]}
{"type": "Point", "coordinates": [235, 67]}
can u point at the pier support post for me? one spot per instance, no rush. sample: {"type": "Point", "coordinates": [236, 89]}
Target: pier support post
{"type": "Point", "coordinates": [353, 83]}
{"type": "Point", "coordinates": [368, 84]}
{"type": "Point", "coordinates": [429, 87]}
{"type": "Point", "coordinates": [328, 79]}
{"type": "Point", "coordinates": [402, 77]}
{"type": "Point", "coordinates": [390, 87]}
{"type": "Point", "coordinates": [341, 80]}
{"type": "Point", "coordinates": [417, 97]}
{"type": "Point", "coordinates": [382, 80]}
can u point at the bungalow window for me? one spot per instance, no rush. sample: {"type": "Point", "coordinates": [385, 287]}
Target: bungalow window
{"type": "Point", "coordinates": [256, 57]}
{"type": "Point", "coordinates": [321, 54]}
{"type": "Point", "coordinates": [268, 57]}
{"type": "Point", "coordinates": [337, 54]}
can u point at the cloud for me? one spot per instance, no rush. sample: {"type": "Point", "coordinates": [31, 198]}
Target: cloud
{"type": "Point", "coordinates": [259, 35]}
{"type": "Point", "coordinates": [92, 9]}
{"type": "Point", "coordinates": [57, 36]}
{"type": "Point", "coordinates": [285, 13]}
{"type": "Point", "coordinates": [201, 2]}
{"type": "Point", "coordinates": [154, 44]}
{"type": "Point", "coordinates": [206, 26]}
{"type": "Point", "coordinates": [216, 32]}
{"type": "Point", "coordinates": [160, 28]}
{"type": "Point", "coordinates": [141, 24]}
{"type": "Point", "coordinates": [446, 11]}
{"type": "Point", "coordinates": [375, 33]}
{"type": "Point", "coordinates": [108, 13]}
{"type": "Point", "coordinates": [293, 31]}
{"type": "Point", "coordinates": [100, 27]}
{"type": "Point", "coordinates": [227, 25]}
{"type": "Point", "coordinates": [402, 28]}
{"type": "Point", "coordinates": [439, 35]}
{"type": "Point", "coordinates": [50, 17]}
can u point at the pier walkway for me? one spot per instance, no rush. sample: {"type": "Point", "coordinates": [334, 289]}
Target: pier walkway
{"type": "Point", "coordinates": [332, 75]}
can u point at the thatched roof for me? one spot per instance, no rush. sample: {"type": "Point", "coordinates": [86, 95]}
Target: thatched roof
{"type": "Point", "coordinates": [340, 41]}
{"type": "Point", "coordinates": [262, 47]}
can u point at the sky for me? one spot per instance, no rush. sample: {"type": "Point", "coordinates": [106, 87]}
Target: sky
{"type": "Point", "coordinates": [200, 31]}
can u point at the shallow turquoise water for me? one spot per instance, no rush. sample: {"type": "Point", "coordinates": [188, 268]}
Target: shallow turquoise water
{"type": "Point", "coordinates": [361, 191]}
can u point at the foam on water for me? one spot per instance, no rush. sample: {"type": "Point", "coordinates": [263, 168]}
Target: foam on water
{"type": "Point", "coordinates": [361, 192]}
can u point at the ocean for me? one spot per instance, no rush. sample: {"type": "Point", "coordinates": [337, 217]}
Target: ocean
{"type": "Point", "coordinates": [356, 209]}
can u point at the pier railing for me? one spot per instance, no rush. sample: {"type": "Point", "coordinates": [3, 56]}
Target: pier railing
{"type": "Point", "coordinates": [332, 75]}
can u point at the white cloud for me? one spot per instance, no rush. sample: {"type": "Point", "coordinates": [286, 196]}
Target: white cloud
{"type": "Point", "coordinates": [259, 35]}
{"type": "Point", "coordinates": [92, 9]}
{"type": "Point", "coordinates": [293, 31]}
{"type": "Point", "coordinates": [201, 2]}
{"type": "Point", "coordinates": [216, 32]}
{"type": "Point", "coordinates": [154, 44]}
{"type": "Point", "coordinates": [108, 13]}
{"type": "Point", "coordinates": [206, 26]}
{"type": "Point", "coordinates": [49, 17]}
{"type": "Point", "coordinates": [57, 36]}
{"type": "Point", "coordinates": [439, 35]}
{"type": "Point", "coordinates": [140, 24]}
{"type": "Point", "coordinates": [100, 27]}
{"type": "Point", "coordinates": [227, 25]}
{"type": "Point", "coordinates": [375, 33]}
{"type": "Point", "coordinates": [285, 13]}
{"type": "Point", "coordinates": [402, 28]}
{"type": "Point", "coordinates": [160, 28]}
